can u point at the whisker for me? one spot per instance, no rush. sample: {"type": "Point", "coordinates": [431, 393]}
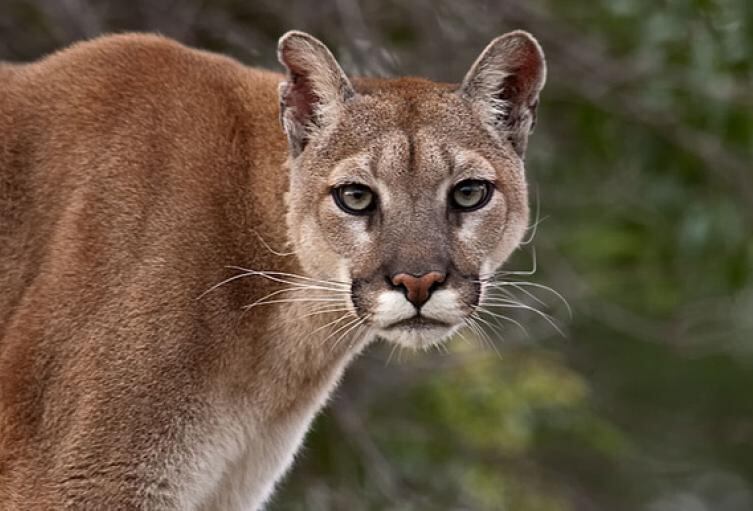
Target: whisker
{"type": "Point", "coordinates": [330, 323]}
{"type": "Point", "coordinates": [491, 342]}
{"type": "Point", "coordinates": [490, 277]}
{"type": "Point", "coordinates": [521, 285]}
{"type": "Point", "coordinates": [511, 320]}
{"type": "Point", "coordinates": [510, 304]}
{"type": "Point", "coordinates": [279, 274]}
{"type": "Point", "coordinates": [341, 328]}
{"type": "Point", "coordinates": [442, 348]}
{"type": "Point", "coordinates": [293, 300]}
{"type": "Point", "coordinates": [472, 327]}
{"type": "Point", "coordinates": [347, 327]}
{"type": "Point", "coordinates": [392, 352]}
{"type": "Point", "coordinates": [477, 331]}
{"type": "Point", "coordinates": [268, 247]}
{"type": "Point", "coordinates": [532, 271]}
{"type": "Point", "coordinates": [348, 331]}
{"type": "Point", "coordinates": [288, 290]}
{"type": "Point", "coordinates": [275, 276]}
{"type": "Point", "coordinates": [499, 289]}
{"type": "Point", "coordinates": [496, 292]}
{"type": "Point", "coordinates": [463, 331]}
{"type": "Point", "coordinates": [222, 283]}
{"type": "Point", "coordinates": [308, 285]}
{"type": "Point", "coordinates": [534, 227]}
{"type": "Point", "coordinates": [366, 331]}
{"type": "Point", "coordinates": [327, 311]}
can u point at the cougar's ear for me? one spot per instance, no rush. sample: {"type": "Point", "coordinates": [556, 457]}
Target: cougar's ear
{"type": "Point", "coordinates": [314, 90]}
{"type": "Point", "coordinates": [504, 84]}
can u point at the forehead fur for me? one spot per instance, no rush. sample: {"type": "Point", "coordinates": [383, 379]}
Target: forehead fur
{"type": "Point", "coordinates": [409, 105]}
{"type": "Point", "coordinates": [406, 87]}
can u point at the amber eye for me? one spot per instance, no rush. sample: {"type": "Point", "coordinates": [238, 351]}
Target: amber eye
{"type": "Point", "coordinates": [354, 199]}
{"type": "Point", "coordinates": [471, 194]}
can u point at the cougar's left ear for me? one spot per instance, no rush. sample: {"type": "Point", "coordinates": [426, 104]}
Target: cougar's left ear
{"type": "Point", "coordinates": [314, 89]}
{"type": "Point", "coordinates": [504, 84]}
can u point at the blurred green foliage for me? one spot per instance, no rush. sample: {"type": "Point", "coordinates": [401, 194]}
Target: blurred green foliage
{"type": "Point", "coordinates": [641, 170]}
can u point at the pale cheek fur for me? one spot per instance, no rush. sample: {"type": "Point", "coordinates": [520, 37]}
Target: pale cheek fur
{"type": "Point", "coordinates": [472, 231]}
{"type": "Point", "coordinates": [343, 273]}
{"type": "Point", "coordinates": [488, 268]}
{"type": "Point", "coordinates": [468, 231]}
{"type": "Point", "coordinates": [358, 233]}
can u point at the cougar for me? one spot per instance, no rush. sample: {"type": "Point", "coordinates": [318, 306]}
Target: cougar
{"type": "Point", "coordinates": [192, 251]}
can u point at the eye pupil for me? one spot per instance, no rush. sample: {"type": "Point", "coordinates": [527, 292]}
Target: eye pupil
{"type": "Point", "coordinates": [354, 198]}
{"type": "Point", "coordinates": [471, 194]}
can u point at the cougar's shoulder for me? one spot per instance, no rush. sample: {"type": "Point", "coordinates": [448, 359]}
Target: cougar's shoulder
{"type": "Point", "coordinates": [99, 136]}
{"type": "Point", "coordinates": [132, 172]}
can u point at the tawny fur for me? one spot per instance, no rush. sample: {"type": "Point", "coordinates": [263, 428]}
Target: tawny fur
{"type": "Point", "coordinates": [133, 172]}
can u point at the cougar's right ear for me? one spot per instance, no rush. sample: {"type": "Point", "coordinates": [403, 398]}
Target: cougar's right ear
{"type": "Point", "coordinates": [314, 90]}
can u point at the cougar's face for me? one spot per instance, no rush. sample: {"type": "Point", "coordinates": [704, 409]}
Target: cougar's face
{"type": "Point", "coordinates": [407, 192]}
{"type": "Point", "coordinates": [412, 203]}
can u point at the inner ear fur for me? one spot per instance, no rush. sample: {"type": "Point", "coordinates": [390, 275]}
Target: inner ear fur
{"type": "Point", "coordinates": [504, 85]}
{"type": "Point", "coordinates": [314, 89]}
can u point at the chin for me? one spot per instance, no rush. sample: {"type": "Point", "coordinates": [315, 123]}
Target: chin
{"type": "Point", "coordinates": [418, 336]}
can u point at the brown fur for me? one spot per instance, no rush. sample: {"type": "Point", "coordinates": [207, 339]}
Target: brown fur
{"type": "Point", "coordinates": [133, 171]}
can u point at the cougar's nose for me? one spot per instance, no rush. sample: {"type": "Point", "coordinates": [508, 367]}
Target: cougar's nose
{"type": "Point", "coordinates": [418, 288]}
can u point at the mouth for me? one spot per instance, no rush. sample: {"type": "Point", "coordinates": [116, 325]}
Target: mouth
{"type": "Point", "coordinates": [418, 323]}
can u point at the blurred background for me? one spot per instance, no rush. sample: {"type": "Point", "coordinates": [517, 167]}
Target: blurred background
{"type": "Point", "coordinates": [642, 191]}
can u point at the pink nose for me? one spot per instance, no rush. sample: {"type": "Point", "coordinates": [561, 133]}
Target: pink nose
{"type": "Point", "coordinates": [418, 289]}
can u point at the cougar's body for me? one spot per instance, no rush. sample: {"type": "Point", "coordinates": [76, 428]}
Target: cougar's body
{"type": "Point", "coordinates": [134, 172]}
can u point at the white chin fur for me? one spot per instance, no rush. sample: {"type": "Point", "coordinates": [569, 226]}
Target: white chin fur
{"type": "Point", "coordinates": [444, 305]}
{"type": "Point", "coordinates": [415, 338]}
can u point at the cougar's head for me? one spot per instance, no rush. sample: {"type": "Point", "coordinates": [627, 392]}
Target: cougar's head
{"type": "Point", "coordinates": [411, 192]}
